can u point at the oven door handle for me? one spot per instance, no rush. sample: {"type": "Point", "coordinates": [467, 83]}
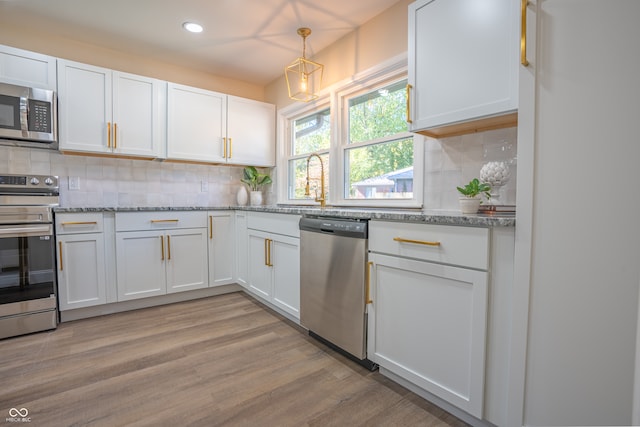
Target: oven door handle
{"type": "Point", "coordinates": [26, 230]}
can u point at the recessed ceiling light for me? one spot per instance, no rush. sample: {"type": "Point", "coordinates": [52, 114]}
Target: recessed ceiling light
{"type": "Point", "coordinates": [192, 27]}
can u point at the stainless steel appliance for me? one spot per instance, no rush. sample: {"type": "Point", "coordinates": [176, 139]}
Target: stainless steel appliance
{"type": "Point", "coordinates": [333, 263]}
{"type": "Point", "coordinates": [28, 117]}
{"type": "Point", "coordinates": [27, 254]}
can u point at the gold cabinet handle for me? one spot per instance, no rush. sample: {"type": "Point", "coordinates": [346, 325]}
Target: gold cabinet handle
{"type": "Point", "coordinates": [60, 255]}
{"type": "Point", "coordinates": [417, 242]}
{"type": "Point", "coordinates": [108, 134]}
{"type": "Point", "coordinates": [409, 87]}
{"type": "Point", "coordinates": [266, 244]}
{"type": "Point", "coordinates": [230, 147]}
{"type": "Point", "coordinates": [367, 297]}
{"type": "Point", "coordinates": [162, 248]}
{"type": "Point", "coordinates": [115, 136]}
{"type": "Point", "coordinates": [169, 248]}
{"type": "Point", "coordinates": [154, 221]}
{"type": "Point", "coordinates": [210, 227]}
{"type": "Point", "coordinates": [79, 223]}
{"type": "Point", "coordinates": [224, 148]}
{"type": "Point", "coordinates": [523, 33]}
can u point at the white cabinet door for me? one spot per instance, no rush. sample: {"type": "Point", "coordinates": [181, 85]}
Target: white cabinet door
{"type": "Point", "coordinates": [428, 325]}
{"type": "Point", "coordinates": [463, 60]}
{"type": "Point", "coordinates": [140, 257]}
{"type": "Point", "coordinates": [137, 115]}
{"type": "Point", "coordinates": [24, 68]}
{"type": "Point", "coordinates": [251, 131]}
{"type": "Point", "coordinates": [186, 259]}
{"type": "Point", "coordinates": [196, 124]}
{"type": "Point", "coordinates": [84, 99]}
{"type": "Point", "coordinates": [285, 258]}
{"type": "Point", "coordinates": [242, 249]}
{"type": "Point", "coordinates": [221, 248]}
{"type": "Point", "coordinates": [81, 270]}
{"type": "Point", "coordinates": [259, 274]}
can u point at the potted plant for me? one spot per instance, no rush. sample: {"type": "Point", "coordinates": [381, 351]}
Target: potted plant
{"type": "Point", "coordinates": [255, 180]}
{"type": "Point", "coordinates": [470, 200]}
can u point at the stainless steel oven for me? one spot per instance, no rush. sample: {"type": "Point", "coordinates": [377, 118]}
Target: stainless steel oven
{"type": "Point", "coordinates": [27, 254]}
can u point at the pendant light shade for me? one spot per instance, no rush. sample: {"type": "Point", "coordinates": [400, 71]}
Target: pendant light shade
{"type": "Point", "coordinates": [304, 77]}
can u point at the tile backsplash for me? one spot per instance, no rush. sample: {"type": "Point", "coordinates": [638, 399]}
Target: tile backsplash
{"type": "Point", "coordinates": [454, 161]}
{"type": "Point", "coordinates": [114, 182]}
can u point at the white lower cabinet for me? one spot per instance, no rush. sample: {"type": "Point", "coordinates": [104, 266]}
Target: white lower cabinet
{"type": "Point", "coordinates": [428, 320]}
{"type": "Point", "coordinates": [81, 260]}
{"type": "Point", "coordinates": [221, 243]}
{"type": "Point", "coordinates": [274, 260]}
{"type": "Point", "coordinates": [160, 252]}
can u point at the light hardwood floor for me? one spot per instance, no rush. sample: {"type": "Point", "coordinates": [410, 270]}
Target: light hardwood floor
{"type": "Point", "coordinates": [224, 360]}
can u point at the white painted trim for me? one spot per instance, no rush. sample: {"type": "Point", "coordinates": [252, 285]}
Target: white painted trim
{"type": "Point", "coordinates": [635, 417]}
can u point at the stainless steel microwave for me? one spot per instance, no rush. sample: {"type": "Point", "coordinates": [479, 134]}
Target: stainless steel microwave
{"type": "Point", "coordinates": [28, 117]}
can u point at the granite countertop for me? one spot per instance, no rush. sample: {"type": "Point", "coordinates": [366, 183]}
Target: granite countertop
{"type": "Point", "coordinates": [427, 217]}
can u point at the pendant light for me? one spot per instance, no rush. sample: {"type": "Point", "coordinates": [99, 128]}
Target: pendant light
{"type": "Point", "coordinates": [304, 77]}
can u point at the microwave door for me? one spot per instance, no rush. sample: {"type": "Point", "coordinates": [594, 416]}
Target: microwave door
{"type": "Point", "coordinates": [9, 112]}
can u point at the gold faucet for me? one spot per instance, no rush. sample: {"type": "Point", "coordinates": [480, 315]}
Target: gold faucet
{"type": "Point", "coordinates": [322, 198]}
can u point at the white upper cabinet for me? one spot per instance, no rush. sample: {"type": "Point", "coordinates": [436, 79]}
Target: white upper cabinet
{"type": "Point", "coordinates": [196, 124]}
{"type": "Point", "coordinates": [463, 66]}
{"type": "Point", "coordinates": [208, 126]}
{"type": "Point", "coordinates": [251, 131]}
{"type": "Point", "coordinates": [24, 68]}
{"type": "Point", "coordinates": [105, 111]}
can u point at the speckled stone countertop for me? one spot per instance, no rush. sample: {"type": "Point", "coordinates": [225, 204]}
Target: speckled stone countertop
{"type": "Point", "coordinates": [427, 217]}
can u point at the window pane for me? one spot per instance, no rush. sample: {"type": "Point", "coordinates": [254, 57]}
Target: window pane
{"type": "Point", "coordinates": [311, 133]}
{"type": "Point", "coordinates": [378, 114]}
{"type": "Point", "coordinates": [380, 171]}
{"type": "Point", "coordinates": [298, 177]}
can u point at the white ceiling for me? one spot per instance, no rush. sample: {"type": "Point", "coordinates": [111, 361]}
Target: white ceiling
{"type": "Point", "coordinates": [249, 40]}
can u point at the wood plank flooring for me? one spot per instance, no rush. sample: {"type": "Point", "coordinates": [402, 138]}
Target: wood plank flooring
{"type": "Point", "coordinates": [219, 361]}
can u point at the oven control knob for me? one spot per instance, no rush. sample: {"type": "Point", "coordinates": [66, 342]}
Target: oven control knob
{"type": "Point", "coordinates": [35, 181]}
{"type": "Point", "coordinates": [48, 181]}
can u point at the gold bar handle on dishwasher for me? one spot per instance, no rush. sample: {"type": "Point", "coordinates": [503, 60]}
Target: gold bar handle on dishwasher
{"type": "Point", "coordinates": [60, 255]}
{"type": "Point", "coordinates": [523, 32]}
{"type": "Point", "coordinates": [409, 87]}
{"type": "Point", "coordinates": [416, 242]}
{"type": "Point", "coordinates": [154, 221]}
{"type": "Point", "coordinates": [79, 223]}
{"type": "Point", "coordinates": [367, 297]}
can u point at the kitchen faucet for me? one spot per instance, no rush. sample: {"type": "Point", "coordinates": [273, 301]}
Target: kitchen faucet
{"type": "Point", "coordinates": [322, 198]}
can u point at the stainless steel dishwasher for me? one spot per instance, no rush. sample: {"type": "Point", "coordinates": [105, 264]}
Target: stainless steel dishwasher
{"type": "Point", "coordinates": [333, 263]}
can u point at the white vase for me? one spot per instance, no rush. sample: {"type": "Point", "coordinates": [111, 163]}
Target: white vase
{"type": "Point", "coordinates": [469, 205]}
{"type": "Point", "coordinates": [242, 196]}
{"type": "Point", "coordinates": [256, 198]}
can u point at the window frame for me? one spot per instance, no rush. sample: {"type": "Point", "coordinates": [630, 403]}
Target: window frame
{"type": "Point", "coordinates": [337, 98]}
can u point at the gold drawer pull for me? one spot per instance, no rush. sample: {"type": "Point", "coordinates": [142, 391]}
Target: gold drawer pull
{"type": "Point", "coordinates": [153, 221]}
{"type": "Point", "coordinates": [367, 297]}
{"type": "Point", "coordinates": [80, 223]}
{"type": "Point", "coordinates": [60, 253]}
{"type": "Point", "coordinates": [417, 242]}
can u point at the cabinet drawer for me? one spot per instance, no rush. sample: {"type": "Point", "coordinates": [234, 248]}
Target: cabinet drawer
{"type": "Point", "coordinates": [463, 246]}
{"type": "Point", "coordinates": [274, 223]}
{"type": "Point", "coordinates": [160, 220]}
{"type": "Point", "coordinates": [74, 223]}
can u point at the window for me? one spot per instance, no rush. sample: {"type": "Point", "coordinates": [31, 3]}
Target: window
{"type": "Point", "coordinates": [310, 134]}
{"type": "Point", "coordinates": [379, 149]}
{"type": "Point", "coordinates": [359, 130]}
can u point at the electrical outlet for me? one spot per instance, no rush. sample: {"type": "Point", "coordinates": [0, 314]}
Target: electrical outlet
{"type": "Point", "coordinates": [74, 183]}
{"type": "Point", "coordinates": [204, 186]}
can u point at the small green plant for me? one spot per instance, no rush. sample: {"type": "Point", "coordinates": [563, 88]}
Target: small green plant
{"type": "Point", "coordinates": [254, 179]}
{"type": "Point", "coordinates": [475, 187]}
